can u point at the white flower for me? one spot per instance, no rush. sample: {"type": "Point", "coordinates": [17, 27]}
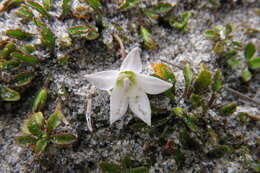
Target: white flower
{"type": "Point", "coordinates": [129, 88]}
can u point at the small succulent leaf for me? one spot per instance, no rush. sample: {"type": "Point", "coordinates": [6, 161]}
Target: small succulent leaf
{"type": "Point", "coordinates": [19, 34]}
{"type": "Point", "coordinates": [249, 51]}
{"type": "Point", "coordinates": [38, 8]}
{"type": "Point", "coordinates": [147, 38]}
{"type": "Point", "coordinates": [164, 72]}
{"type": "Point", "coordinates": [162, 7]}
{"type": "Point", "coordinates": [84, 31]}
{"type": "Point", "coordinates": [53, 121]}
{"type": "Point", "coordinates": [9, 48]}
{"type": "Point", "coordinates": [150, 13]}
{"type": "Point", "coordinates": [228, 109]}
{"type": "Point", "coordinates": [246, 75]}
{"type": "Point", "coordinates": [48, 4]}
{"type": "Point", "coordinates": [24, 128]}
{"type": "Point", "coordinates": [40, 146]}
{"type": "Point", "coordinates": [128, 4]}
{"type": "Point", "coordinates": [24, 12]}
{"type": "Point", "coordinates": [33, 126]}
{"type": "Point", "coordinates": [9, 64]}
{"type": "Point", "coordinates": [191, 124]}
{"type": "Point", "coordinates": [219, 47]}
{"type": "Point", "coordinates": [203, 80]}
{"type": "Point", "coordinates": [196, 100]}
{"type": "Point", "coordinates": [25, 140]}
{"type": "Point", "coordinates": [188, 75]}
{"type": "Point", "coordinates": [40, 100]}
{"type": "Point", "coordinates": [8, 94]}
{"type": "Point", "coordinates": [178, 111]}
{"type": "Point", "coordinates": [66, 8]}
{"type": "Point", "coordinates": [28, 49]}
{"type": "Point", "coordinates": [26, 58]}
{"type": "Point", "coordinates": [219, 151]}
{"type": "Point", "coordinates": [7, 5]}
{"type": "Point", "coordinates": [110, 167]}
{"type": "Point", "coordinates": [217, 81]}
{"type": "Point", "coordinates": [95, 4]}
{"type": "Point", "coordinates": [39, 119]}
{"type": "Point", "coordinates": [254, 63]}
{"type": "Point", "coordinates": [233, 62]}
{"type": "Point", "coordinates": [228, 29]}
{"type": "Point", "coordinates": [212, 34]}
{"type": "Point", "coordinates": [22, 79]}
{"type": "Point", "coordinates": [140, 169]}
{"type": "Point", "coordinates": [63, 139]}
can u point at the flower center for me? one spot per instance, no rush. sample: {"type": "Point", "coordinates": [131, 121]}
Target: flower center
{"type": "Point", "coordinates": [126, 80]}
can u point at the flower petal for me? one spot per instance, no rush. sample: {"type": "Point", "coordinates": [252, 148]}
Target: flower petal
{"type": "Point", "coordinates": [104, 80]}
{"type": "Point", "coordinates": [140, 105]}
{"type": "Point", "coordinates": [132, 61]}
{"type": "Point", "coordinates": [152, 85]}
{"type": "Point", "coordinates": [118, 104]}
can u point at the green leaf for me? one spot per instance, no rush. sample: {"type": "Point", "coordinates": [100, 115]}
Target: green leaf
{"type": "Point", "coordinates": [191, 124]}
{"type": "Point", "coordinates": [147, 38]}
{"type": "Point", "coordinates": [162, 7]}
{"type": "Point", "coordinates": [28, 49]}
{"type": "Point", "coordinates": [219, 151]}
{"type": "Point", "coordinates": [38, 8]}
{"type": "Point", "coordinates": [196, 100]}
{"type": "Point", "coordinates": [127, 162]}
{"type": "Point", "coordinates": [48, 4]}
{"type": "Point", "coordinates": [24, 12]}
{"type": "Point", "coordinates": [218, 48]}
{"type": "Point", "coordinates": [24, 128]}
{"type": "Point", "coordinates": [233, 63]}
{"type": "Point", "coordinates": [212, 34]}
{"type": "Point", "coordinates": [9, 48]}
{"type": "Point", "coordinates": [217, 81]}
{"type": "Point", "coordinates": [39, 119]}
{"type": "Point", "coordinates": [41, 145]}
{"type": "Point", "coordinates": [8, 94]}
{"type": "Point", "coordinates": [181, 22]}
{"type": "Point", "coordinates": [66, 7]}
{"type": "Point", "coordinates": [246, 75]}
{"type": "Point", "coordinates": [178, 111]}
{"type": "Point", "coordinates": [25, 140]}
{"type": "Point", "coordinates": [128, 4]}
{"type": "Point", "coordinates": [33, 125]}
{"type": "Point", "coordinates": [249, 51]}
{"type": "Point", "coordinates": [22, 79]}
{"type": "Point", "coordinates": [85, 31]}
{"type": "Point", "coordinates": [150, 13]}
{"type": "Point", "coordinates": [228, 29]}
{"type": "Point", "coordinates": [254, 63]}
{"type": "Point", "coordinates": [9, 4]}
{"type": "Point", "coordinates": [11, 64]}
{"type": "Point", "coordinates": [26, 58]}
{"type": "Point", "coordinates": [54, 121]}
{"type": "Point", "coordinates": [47, 37]}
{"type": "Point", "coordinates": [188, 75]}
{"type": "Point", "coordinates": [63, 139]}
{"type": "Point", "coordinates": [94, 4]}
{"type": "Point", "coordinates": [140, 169]}
{"type": "Point", "coordinates": [228, 109]}
{"type": "Point", "coordinates": [203, 80]}
{"type": "Point", "coordinates": [110, 167]}
{"type": "Point", "coordinates": [164, 72]}
{"type": "Point", "coordinates": [40, 100]}
{"type": "Point", "coordinates": [19, 34]}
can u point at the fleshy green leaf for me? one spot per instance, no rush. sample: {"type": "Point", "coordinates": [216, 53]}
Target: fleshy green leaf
{"type": "Point", "coordinates": [219, 47]}
{"type": "Point", "coordinates": [249, 51]}
{"type": "Point", "coordinates": [40, 100]}
{"type": "Point", "coordinates": [140, 169]}
{"type": "Point", "coordinates": [164, 72]}
{"type": "Point", "coordinates": [47, 4]}
{"type": "Point", "coordinates": [217, 82]}
{"type": "Point", "coordinates": [33, 124]}
{"type": "Point", "coordinates": [26, 58]}
{"type": "Point", "coordinates": [188, 75]}
{"type": "Point", "coordinates": [178, 111]}
{"type": "Point", "coordinates": [191, 124]}
{"type": "Point", "coordinates": [254, 63]}
{"type": "Point", "coordinates": [28, 49]}
{"type": "Point", "coordinates": [228, 109]}
{"type": "Point", "coordinates": [41, 145]}
{"type": "Point", "coordinates": [228, 29]}
{"type": "Point", "coordinates": [39, 119]}
{"type": "Point", "coordinates": [110, 167]}
{"type": "Point", "coordinates": [38, 8]}
{"type": "Point", "coordinates": [162, 7]}
{"type": "Point", "coordinates": [9, 48]}
{"type": "Point", "coordinates": [203, 80]}
{"type": "Point", "coordinates": [25, 140]}
{"type": "Point", "coordinates": [126, 162]}
{"type": "Point", "coordinates": [196, 100]}
{"type": "Point", "coordinates": [212, 34]}
{"type": "Point", "coordinates": [94, 4]}
{"type": "Point", "coordinates": [23, 79]}
{"type": "Point", "coordinates": [11, 64]}
{"type": "Point", "coordinates": [246, 75]}
{"type": "Point", "coordinates": [181, 22]}
{"type": "Point", "coordinates": [219, 151]}
{"type": "Point", "coordinates": [54, 121]}
{"type": "Point", "coordinates": [63, 139]}
{"type": "Point", "coordinates": [85, 31]}
{"type": "Point", "coordinates": [147, 38]}
{"type": "Point", "coordinates": [66, 7]}
{"type": "Point", "coordinates": [233, 63]}
{"type": "Point", "coordinates": [128, 4]}
{"type": "Point", "coordinates": [24, 12]}
{"type": "Point", "coordinates": [19, 34]}
{"type": "Point", "coordinates": [8, 94]}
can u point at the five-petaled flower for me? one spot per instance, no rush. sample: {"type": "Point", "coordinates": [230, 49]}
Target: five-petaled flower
{"type": "Point", "coordinates": [129, 87]}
